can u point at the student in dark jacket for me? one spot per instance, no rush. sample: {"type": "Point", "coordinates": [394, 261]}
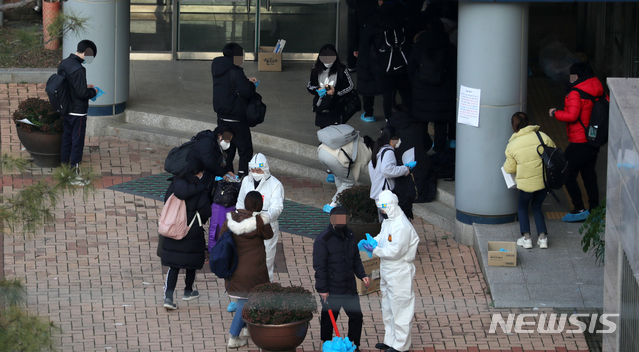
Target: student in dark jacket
{"type": "Point", "coordinates": [371, 77]}
{"type": "Point", "coordinates": [415, 135]}
{"type": "Point", "coordinates": [232, 91]}
{"type": "Point", "coordinates": [211, 149]}
{"type": "Point", "coordinates": [435, 102]}
{"type": "Point", "coordinates": [329, 83]}
{"type": "Point", "coordinates": [187, 253]}
{"type": "Point", "coordinates": [75, 123]}
{"type": "Point", "coordinates": [336, 262]}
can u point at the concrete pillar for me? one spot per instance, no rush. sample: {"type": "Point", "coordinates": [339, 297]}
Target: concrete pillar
{"type": "Point", "coordinates": [492, 56]}
{"type": "Point", "coordinates": [108, 27]}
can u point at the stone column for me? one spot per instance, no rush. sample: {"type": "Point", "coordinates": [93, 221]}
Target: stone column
{"type": "Point", "coordinates": [492, 56]}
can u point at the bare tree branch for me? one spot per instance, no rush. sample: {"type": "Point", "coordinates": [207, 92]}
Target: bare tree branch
{"type": "Point", "coordinates": [16, 4]}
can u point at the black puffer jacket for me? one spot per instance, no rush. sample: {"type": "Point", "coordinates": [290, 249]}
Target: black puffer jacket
{"type": "Point", "coordinates": [434, 103]}
{"type": "Point", "coordinates": [76, 76]}
{"type": "Point", "coordinates": [414, 134]}
{"type": "Point", "coordinates": [188, 253]}
{"type": "Point", "coordinates": [336, 260]}
{"type": "Point", "coordinates": [208, 150]}
{"type": "Point", "coordinates": [226, 103]}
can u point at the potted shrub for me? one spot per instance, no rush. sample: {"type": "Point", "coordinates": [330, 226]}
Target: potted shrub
{"type": "Point", "coordinates": [362, 210]}
{"type": "Point", "coordinates": [40, 131]}
{"type": "Point", "coordinates": [594, 233]}
{"type": "Point", "coordinates": [278, 317]}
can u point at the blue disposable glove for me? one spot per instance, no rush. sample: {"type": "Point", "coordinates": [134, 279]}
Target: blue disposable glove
{"type": "Point", "coordinates": [256, 83]}
{"type": "Point", "coordinates": [411, 165]}
{"type": "Point", "coordinates": [321, 92]}
{"type": "Point", "coordinates": [100, 93]}
{"type": "Point", "coordinates": [368, 247]}
{"type": "Point", "coordinates": [218, 178]}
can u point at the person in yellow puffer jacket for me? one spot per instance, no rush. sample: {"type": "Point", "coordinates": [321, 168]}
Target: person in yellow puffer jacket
{"type": "Point", "coordinates": [522, 158]}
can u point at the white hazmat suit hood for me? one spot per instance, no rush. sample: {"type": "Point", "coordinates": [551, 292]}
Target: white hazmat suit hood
{"type": "Point", "coordinates": [397, 246]}
{"type": "Point", "coordinates": [272, 193]}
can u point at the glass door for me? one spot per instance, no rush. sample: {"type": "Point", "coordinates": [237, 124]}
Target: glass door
{"type": "Point", "coordinates": [306, 25]}
{"type": "Point", "coordinates": [151, 29]}
{"type": "Point", "coordinates": [205, 26]}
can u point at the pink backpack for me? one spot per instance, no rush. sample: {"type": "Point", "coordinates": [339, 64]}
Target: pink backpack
{"type": "Point", "coordinates": [172, 222]}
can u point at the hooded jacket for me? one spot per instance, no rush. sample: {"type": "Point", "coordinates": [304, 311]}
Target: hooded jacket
{"type": "Point", "coordinates": [270, 187]}
{"type": "Point", "coordinates": [576, 108]}
{"type": "Point", "coordinates": [522, 158]}
{"type": "Point", "coordinates": [208, 150]}
{"type": "Point", "coordinates": [230, 98]}
{"type": "Point", "coordinates": [76, 75]}
{"type": "Point", "coordinates": [386, 171]}
{"type": "Point", "coordinates": [249, 243]}
{"type": "Point", "coordinates": [336, 262]}
{"type": "Point", "coordinates": [434, 103]}
{"type": "Point", "coordinates": [188, 253]}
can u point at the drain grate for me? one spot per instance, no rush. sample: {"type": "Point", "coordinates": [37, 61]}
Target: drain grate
{"type": "Point", "coordinates": [297, 218]}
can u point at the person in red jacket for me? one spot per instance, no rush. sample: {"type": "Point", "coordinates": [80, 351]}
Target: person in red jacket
{"type": "Point", "coordinates": [580, 155]}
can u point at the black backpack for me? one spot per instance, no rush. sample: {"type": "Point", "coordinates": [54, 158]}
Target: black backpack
{"type": "Point", "coordinates": [223, 256]}
{"type": "Point", "coordinates": [597, 130]}
{"type": "Point", "coordinates": [57, 89]}
{"type": "Point", "coordinates": [405, 189]}
{"type": "Point", "coordinates": [387, 54]}
{"type": "Point", "coordinates": [432, 67]}
{"type": "Point", "coordinates": [555, 166]}
{"type": "Point", "coordinates": [255, 111]}
{"type": "Point", "coordinates": [176, 159]}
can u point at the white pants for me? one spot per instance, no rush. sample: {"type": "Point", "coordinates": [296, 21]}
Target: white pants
{"type": "Point", "coordinates": [271, 248]}
{"type": "Point", "coordinates": [340, 171]}
{"type": "Point", "coordinates": [398, 304]}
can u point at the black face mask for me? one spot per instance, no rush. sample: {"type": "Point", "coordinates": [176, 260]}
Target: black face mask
{"type": "Point", "coordinates": [340, 229]}
{"type": "Point", "coordinates": [385, 216]}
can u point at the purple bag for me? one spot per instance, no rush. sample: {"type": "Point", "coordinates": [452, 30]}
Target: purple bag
{"type": "Point", "coordinates": [218, 216]}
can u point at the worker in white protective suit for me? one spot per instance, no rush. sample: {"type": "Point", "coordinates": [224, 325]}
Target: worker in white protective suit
{"type": "Point", "coordinates": [260, 179]}
{"type": "Point", "coordinates": [396, 247]}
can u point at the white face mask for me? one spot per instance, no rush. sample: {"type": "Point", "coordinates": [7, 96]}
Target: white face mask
{"type": "Point", "coordinates": [399, 141]}
{"type": "Point", "coordinates": [257, 177]}
{"type": "Point", "coordinates": [225, 145]}
{"type": "Point", "coordinates": [88, 59]}
{"type": "Point", "coordinates": [328, 65]}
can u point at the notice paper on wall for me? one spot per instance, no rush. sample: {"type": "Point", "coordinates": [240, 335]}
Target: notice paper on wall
{"type": "Point", "coordinates": [469, 103]}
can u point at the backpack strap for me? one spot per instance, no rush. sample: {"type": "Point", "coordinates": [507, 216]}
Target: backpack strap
{"type": "Point", "coordinates": [386, 184]}
{"type": "Point", "coordinates": [540, 140]}
{"type": "Point", "coordinates": [199, 219]}
{"type": "Point", "coordinates": [350, 162]}
{"type": "Point", "coordinates": [548, 189]}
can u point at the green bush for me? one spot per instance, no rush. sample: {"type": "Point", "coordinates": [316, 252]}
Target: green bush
{"type": "Point", "coordinates": [41, 115]}
{"type": "Point", "coordinates": [593, 231]}
{"type": "Point", "coordinates": [359, 204]}
{"type": "Point", "coordinates": [273, 304]}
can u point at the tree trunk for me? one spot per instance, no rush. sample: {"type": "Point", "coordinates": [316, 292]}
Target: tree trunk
{"type": "Point", "coordinates": [49, 12]}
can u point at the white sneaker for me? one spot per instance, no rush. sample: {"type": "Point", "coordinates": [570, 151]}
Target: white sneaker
{"type": "Point", "coordinates": [245, 333]}
{"type": "Point", "coordinates": [526, 243]}
{"type": "Point", "coordinates": [543, 242]}
{"type": "Point", "coordinates": [235, 342]}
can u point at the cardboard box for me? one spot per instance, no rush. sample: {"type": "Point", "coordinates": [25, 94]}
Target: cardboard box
{"type": "Point", "coordinates": [268, 60]}
{"type": "Point", "coordinates": [371, 267]}
{"type": "Point", "coordinates": [499, 258]}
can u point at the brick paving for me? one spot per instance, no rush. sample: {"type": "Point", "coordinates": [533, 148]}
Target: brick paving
{"type": "Point", "coordinates": [95, 274]}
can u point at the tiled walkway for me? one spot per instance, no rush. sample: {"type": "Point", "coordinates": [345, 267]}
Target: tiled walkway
{"type": "Point", "coordinates": [95, 273]}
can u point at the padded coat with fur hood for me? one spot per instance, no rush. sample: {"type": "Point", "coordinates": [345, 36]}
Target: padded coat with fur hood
{"type": "Point", "coordinates": [522, 158]}
{"type": "Point", "coordinates": [251, 268]}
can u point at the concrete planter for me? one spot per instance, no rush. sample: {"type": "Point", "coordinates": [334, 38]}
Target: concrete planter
{"type": "Point", "coordinates": [49, 12]}
{"type": "Point", "coordinates": [45, 148]}
{"type": "Point", "coordinates": [285, 337]}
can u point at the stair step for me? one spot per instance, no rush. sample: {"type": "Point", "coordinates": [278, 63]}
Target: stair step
{"type": "Point", "coordinates": [437, 214]}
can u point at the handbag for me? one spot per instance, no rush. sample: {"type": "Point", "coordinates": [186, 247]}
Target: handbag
{"type": "Point", "coordinates": [352, 105]}
{"type": "Point", "coordinates": [226, 193]}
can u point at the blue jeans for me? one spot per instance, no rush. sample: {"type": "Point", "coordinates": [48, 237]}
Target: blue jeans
{"type": "Point", "coordinates": [535, 200]}
{"type": "Point", "coordinates": [238, 323]}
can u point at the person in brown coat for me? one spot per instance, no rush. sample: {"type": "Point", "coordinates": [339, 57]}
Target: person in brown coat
{"type": "Point", "coordinates": [250, 228]}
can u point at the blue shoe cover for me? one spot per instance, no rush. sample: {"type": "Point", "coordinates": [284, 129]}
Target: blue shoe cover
{"type": "Point", "coordinates": [367, 118]}
{"type": "Point", "coordinates": [232, 307]}
{"type": "Point", "coordinates": [330, 178]}
{"type": "Point", "coordinates": [576, 217]}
